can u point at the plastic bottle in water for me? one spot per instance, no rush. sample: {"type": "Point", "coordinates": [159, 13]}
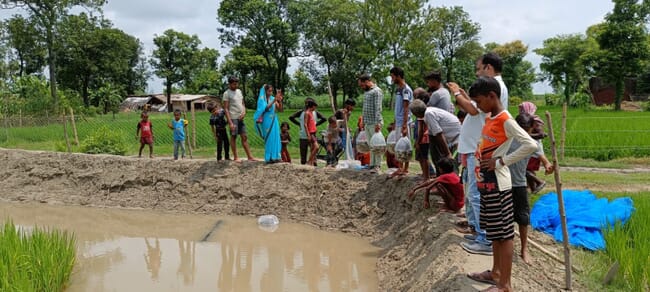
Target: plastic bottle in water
{"type": "Point", "coordinates": [268, 220]}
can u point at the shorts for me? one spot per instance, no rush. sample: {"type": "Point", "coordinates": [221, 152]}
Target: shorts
{"type": "Point", "coordinates": [240, 128]}
{"type": "Point", "coordinates": [313, 136]}
{"type": "Point", "coordinates": [533, 164]}
{"type": "Point", "coordinates": [423, 153]}
{"type": "Point", "coordinates": [146, 140]}
{"type": "Point", "coordinates": [497, 215]}
{"type": "Point", "coordinates": [521, 206]}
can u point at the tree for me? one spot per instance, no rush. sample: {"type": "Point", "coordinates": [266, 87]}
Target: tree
{"type": "Point", "coordinates": [453, 34]}
{"type": "Point", "coordinates": [243, 62]}
{"type": "Point", "coordinates": [173, 58]}
{"type": "Point", "coordinates": [301, 84]}
{"type": "Point", "coordinates": [204, 76]}
{"type": "Point", "coordinates": [92, 53]}
{"type": "Point", "coordinates": [623, 44]}
{"type": "Point", "coordinates": [331, 36]}
{"type": "Point", "coordinates": [47, 14]}
{"type": "Point", "coordinates": [563, 62]}
{"type": "Point", "coordinates": [267, 27]}
{"type": "Point", "coordinates": [24, 39]}
{"type": "Point", "coordinates": [518, 74]}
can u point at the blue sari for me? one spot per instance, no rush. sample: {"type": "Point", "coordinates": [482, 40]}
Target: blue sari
{"type": "Point", "coordinates": [268, 129]}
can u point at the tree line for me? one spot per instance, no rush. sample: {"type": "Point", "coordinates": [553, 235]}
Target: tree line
{"type": "Point", "coordinates": [51, 56]}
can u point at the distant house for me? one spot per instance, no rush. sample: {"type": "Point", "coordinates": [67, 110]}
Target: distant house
{"type": "Point", "coordinates": [158, 102]}
{"type": "Point", "coordinates": [606, 94]}
{"type": "Point", "coordinates": [141, 102]}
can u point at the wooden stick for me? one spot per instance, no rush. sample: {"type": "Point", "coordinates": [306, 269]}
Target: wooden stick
{"type": "Point", "coordinates": [74, 127]}
{"type": "Point", "coordinates": [329, 90]}
{"type": "Point", "coordinates": [65, 132]}
{"type": "Point", "coordinates": [187, 138]}
{"type": "Point", "coordinates": [563, 133]}
{"type": "Point", "coordinates": [193, 127]}
{"type": "Point", "coordinates": [548, 252]}
{"type": "Point", "coordinates": [558, 188]}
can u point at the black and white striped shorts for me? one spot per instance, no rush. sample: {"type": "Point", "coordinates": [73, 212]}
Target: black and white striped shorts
{"type": "Point", "coordinates": [497, 215]}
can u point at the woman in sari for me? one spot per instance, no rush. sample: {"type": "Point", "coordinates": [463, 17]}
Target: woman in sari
{"type": "Point", "coordinates": [266, 123]}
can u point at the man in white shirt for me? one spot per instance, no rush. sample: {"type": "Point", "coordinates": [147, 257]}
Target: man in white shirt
{"type": "Point", "coordinates": [233, 103]}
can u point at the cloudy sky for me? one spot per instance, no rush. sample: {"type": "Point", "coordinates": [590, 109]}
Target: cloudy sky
{"type": "Point", "coordinates": [501, 21]}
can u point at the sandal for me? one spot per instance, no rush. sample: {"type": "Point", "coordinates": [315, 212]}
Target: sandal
{"type": "Point", "coordinates": [493, 288]}
{"type": "Point", "coordinates": [483, 277]}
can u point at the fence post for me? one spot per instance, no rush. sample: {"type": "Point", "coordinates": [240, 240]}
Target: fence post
{"type": "Point", "coordinates": [193, 127]}
{"type": "Point", "coordinates": [560, 198]}
{"type": "Point", "coordinates": [74, 127]}
{"type": "Point", "coordinates": [563, 133]}
{"type": "Point", "coordinates": [65, 132]}
{"type": "Point", "coordinates": [20, 117]}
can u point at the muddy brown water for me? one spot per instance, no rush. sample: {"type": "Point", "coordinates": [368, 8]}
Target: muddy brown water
{"type": "Point", "coordinates": [138, 250]}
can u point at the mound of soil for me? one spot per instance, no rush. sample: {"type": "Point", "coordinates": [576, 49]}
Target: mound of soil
{"type": "Point", "coordinates": [420, 249]}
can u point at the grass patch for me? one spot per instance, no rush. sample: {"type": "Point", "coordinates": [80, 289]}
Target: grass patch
{"type": "Point", "coordinates": [36, 260]}
{"type": "Point", "coordinates": [629, 245]}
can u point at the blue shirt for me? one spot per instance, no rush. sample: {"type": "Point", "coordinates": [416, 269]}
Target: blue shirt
{"type": "Point", "coordinates": [179, 129]}
{"type": "Point", "coordinates": [402, 94]}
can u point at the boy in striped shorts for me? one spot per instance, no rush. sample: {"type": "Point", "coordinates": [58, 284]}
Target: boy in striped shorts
{"type": "Point", "coordinates": [493, 178]}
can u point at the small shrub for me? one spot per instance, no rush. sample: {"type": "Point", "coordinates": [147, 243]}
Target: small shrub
{"type": "Point", "coordinates": [105, 141]}
{"type": "Point", "coordinates": [580, 99]}
{"type": "Point", "coordinates": [552, 99]}
{"type": "Point", "coordinates": [514, 100]}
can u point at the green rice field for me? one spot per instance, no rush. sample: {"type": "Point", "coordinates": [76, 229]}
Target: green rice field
{"type": "Point", "coordinates": [35, 260]}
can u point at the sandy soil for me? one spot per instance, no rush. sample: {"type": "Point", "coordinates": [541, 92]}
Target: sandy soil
{"type": "Point", "coordinates": [421, 251]}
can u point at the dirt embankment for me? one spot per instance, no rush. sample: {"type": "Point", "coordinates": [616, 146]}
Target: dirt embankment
{"type": "Point", "coordinates": [420, 250]}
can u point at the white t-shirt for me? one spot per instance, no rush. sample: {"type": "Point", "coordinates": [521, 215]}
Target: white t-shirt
{"type": "Point", "coordinates": [235, 101]}
{"type": "Point", "coordinates": [504, 92]}
{"type": "Point", "coordinates": [470, 132]}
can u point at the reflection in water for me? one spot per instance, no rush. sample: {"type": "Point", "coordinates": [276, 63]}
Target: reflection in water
{"type": "Point", "coordinates": [152, 258]}
{"type": "Point", "coordinates": [239, 256]}
{"type": "Point", "coordinates": [187, 265]}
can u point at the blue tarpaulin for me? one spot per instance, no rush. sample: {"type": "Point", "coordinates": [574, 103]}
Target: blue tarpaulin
{"type": "Point", "coordinates": [586, 215]}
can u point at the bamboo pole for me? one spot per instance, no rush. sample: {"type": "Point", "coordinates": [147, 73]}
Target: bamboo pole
{"type": "Point", "coordinates": [74, 127]}
{"type": "Point", "coordinates": [558, 188]}
{"type": "Point", "coordinates": [193, 126]}
{"type": "Point", "coordinates": [563, 133]}
{"type": "Point", "coordinates": [187, 138]}
{"type": "Point", "coordinates": [20, 117]}
{"type": "Point", "coordinates": [65, 133]}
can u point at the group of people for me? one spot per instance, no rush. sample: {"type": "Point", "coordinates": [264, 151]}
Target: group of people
{"type": "Point", "coordinates": [480, 158]}
{"type": "Point", "coordinates": [495, 154]}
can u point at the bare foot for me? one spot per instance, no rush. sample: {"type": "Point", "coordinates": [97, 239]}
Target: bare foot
{"type": "Point", "coordinates": [151, 156]}
{"type": "Point", "coordinates": [525, 257]}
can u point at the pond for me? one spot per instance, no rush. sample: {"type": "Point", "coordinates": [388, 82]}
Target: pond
{"type": "Point", "coordinates": [142, 250]}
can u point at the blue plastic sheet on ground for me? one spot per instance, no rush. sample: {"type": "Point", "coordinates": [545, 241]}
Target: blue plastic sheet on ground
{"type": "Point", "coordinates": [585, 213]}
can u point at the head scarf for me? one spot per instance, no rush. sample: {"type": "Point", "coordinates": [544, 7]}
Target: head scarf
{"type": "Point", "coordinates": [530, 108]}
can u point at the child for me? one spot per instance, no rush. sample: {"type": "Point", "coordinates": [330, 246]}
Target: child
{"type": "Point", "coordinates": [333, 140]}
{"type": "Point", "coordinates": [178, 126]}
{"type": "Point", "coordinates": [391, 160]}
{"type": "Point", "coordinates": [285, 138]}
{"type": "Point", "coordinates": [422, 147]}
{"type": "Point", "coordinates": [493, 179]}
{"type": "Point", "coordinates": [144, 131]}
{"type": "Point", "coordinates": [537, 133]}
{"type": "Point", "coordinates": [218, 125]}
{"type": "Point", "coordinates": [520, 189]}
{"type": "Point", "coordinates": [310, 126]}
{"type": "Point", "coordinates": [447, 185]}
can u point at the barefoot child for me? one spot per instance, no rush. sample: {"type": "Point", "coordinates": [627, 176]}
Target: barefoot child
{"type": "Point", "coordinates": [493, 178]}
{"type": "Point", "coordinates": [310, 126]}
{"type": "Point", "coordinates": [178, 126]}
{"type": "Point", "coordinates": [144, 132]}
{"type": "Point", "coordinates": [537, 133]}
{"type": "Point", "coordinates": [333, 141]}
{"type": "Point", "coordinates": [285, 138]}
{"type": "Point", "coordinates": [218, 125]}
{"type": "Point", "coordinates": [447, 185]}
{"type": "Point", "coordinates": [391, 160]}
{"type": "Point", "coordinates": [519, 188]}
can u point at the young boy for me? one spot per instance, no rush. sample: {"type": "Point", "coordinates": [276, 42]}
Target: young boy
{"type": "Point", "coordinates": [334, 133]}
{"type": "Point", "coordinates": [144, 132]}
{"type": "Point", "coordinates": [310, 126]}
{"type": "Point", "coordinates": [447, 185]}
{"type": "Point", "coordinates": [218, 125]}
{"type": "Point", "coordinates": [494, 181]}
{"type": "Point", "coordinates": [178, 126]}
{"type": "Point", "coordinates": [391, 160]}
